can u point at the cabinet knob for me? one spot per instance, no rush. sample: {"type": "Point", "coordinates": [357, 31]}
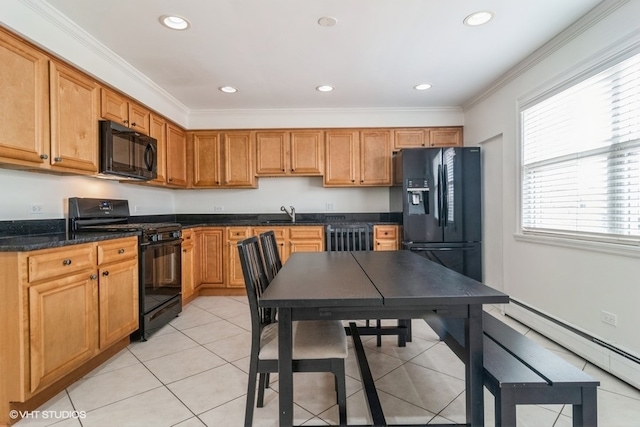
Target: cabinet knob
{"type": "Point", "coordinates": [125, 121]}
{"type": "Point", "coordinates": [66, 262]}
{"type": "Point", "coordinates": [93, 277]}
{"type": "Point", "coordinates": [120, 251]}
{"type": "Point", "coordinates": [105, 273]}
{"type": "Point", "coordinates": [133, 124]}
{"type": "Point", "coordinates": [57, 159]}
{"type": "Point", "coordinates": [44, 156]}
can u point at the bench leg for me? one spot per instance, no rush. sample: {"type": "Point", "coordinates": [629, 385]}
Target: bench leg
{"type": "Point", "coordinates": [505, 410]}
{"type": "Point", "coordinates": [586, 414]}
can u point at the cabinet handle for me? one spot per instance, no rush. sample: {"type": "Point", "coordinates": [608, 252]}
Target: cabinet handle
{"type": "Point", "coordinates": [44, 156]}
{"type": "Point", "coordinates": [93, 277]}
{"type": "Point", "coordinates": [105, 273]}
{"type": "Point", "coordinates": [120, 251]}
{"type": "Point", "coordinates": [57, 159]}
{"type": "Point", "coordinates": [66, 262]}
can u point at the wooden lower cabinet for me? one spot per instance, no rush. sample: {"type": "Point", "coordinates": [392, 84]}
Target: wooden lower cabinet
{"type": "Point", "coordinates": [60, 309]}
{"type": "Point", "coordinates": [386, 237]}
{"type": "Point", "coordinates": [215, 249]}
{"type": "Point", "coordinates": [188, 266]}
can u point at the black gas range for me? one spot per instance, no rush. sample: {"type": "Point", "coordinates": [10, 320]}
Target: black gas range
{"type": "Point", "coordinates": [159, 256]}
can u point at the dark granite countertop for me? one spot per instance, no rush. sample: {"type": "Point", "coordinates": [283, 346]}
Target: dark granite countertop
{"type": "Point", "coordinates": [54, 240]}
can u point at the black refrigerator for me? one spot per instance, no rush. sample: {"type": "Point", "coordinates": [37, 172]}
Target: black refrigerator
{"type": "Point", "coordinates": [441, 204]}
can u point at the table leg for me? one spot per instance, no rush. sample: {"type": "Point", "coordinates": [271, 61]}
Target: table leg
{"type": "Point", "coordinates": [474, 368]}
{"type": "Point", "coordinates": [285, 368]}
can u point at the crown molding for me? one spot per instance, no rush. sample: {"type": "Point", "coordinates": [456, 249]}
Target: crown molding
{"type": "Point", "coordinates": [592, 17]}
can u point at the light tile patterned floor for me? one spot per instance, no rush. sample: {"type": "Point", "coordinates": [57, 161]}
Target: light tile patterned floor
{"type": "Point", "coordinates": [194, 373]}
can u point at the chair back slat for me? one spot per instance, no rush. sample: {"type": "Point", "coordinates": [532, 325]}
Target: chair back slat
{"type": "Point", "coordinates": [255, 280]}
{"type": "Point", "coordinates": [349, 238]}
{"type": "Point", "coordinates": [272, 261]}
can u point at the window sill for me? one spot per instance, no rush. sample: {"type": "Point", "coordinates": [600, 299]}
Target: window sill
{"type": "Point", "coordinates": [621, 249]}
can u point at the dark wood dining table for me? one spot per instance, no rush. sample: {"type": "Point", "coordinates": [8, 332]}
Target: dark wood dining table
{"type": "Point", "coordinates": [377, 285]}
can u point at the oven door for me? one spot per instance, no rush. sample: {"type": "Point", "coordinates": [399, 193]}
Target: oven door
{"type": "Point", "coordinates": [160, 273]}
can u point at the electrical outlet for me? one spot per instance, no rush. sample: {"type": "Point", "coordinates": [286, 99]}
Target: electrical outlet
{"type": "Point", "coordinates": [608, 318]}
{"type": "Point", "coordinates": [218, 208]}
{"type": "Point", "coordinates": [36, 208]}
{"type": "Point", "coordinates": [330, 206]}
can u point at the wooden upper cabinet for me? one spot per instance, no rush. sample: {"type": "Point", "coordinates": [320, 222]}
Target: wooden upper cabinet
{"type": "Point", "coordinates": [158, 131]}
{"type": "Point", "coordinates": [204, 158]}
{"type": "Point", "coordinates": [409, 138]}
{"type": "Point", "coordinates": [357, 158]}
{"type": "Point", "coordinates": [24, 102]}
{"type": "Point", "coordinates": [427, 137]}
{"type": "Point", "coordinates": [237, 153]}
{"type": "Point", "coordinates": [121, 109]}
{"type": "Point", "coordinates": [341, 155]}
{"type": "Point", "coordinates": [74, 120]}
{"type": "Point", "coordinates": [375, 157]}
{"type": "Point", "coordinates": [289, 153]}
{"type": "Point", "coordinates": [176, 156]}
{"type": "Point", "coordinates": [445, 137]}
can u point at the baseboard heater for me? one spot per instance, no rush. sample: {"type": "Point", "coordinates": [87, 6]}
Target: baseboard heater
{"type": "Point", "coordinates": [578, 332]}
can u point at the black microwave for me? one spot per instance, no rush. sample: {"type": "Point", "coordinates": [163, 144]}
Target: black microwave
{"type": "Point", "coordinates": [126, 154]}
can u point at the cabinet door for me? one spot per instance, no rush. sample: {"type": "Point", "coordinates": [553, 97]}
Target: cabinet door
{"type": "Point", "coordinates": [139, 118]}
{"type": "Point", "coordinates": [24, 102]}
{"type": "Point", "coordinates": [375, 158]}
{"type": "Point", "coordinates": [74, 120]}
{"type": "Point", "coordinates": [114, 107]}
{"type": "Point", "coordinates": [386, 237]}
{"type": "Point", "coordinates": [176, 156]}
{"type": "Point", "coordinates": [409, 138]}
{"type": "Point", "coordinates": [211, 257]}
{"type": "Point", "coordinates": [188, 276]}
{"type": "Point", "coordinates": [62, 327]}
{"type": "Point", "coordinates": [272, 153]}
{"type": "Point", "coordinates": [235, 278]}
{"type": "Point", "coordinates": [118, 301]}
{"type": "Point", "coordinates": [238, 152]}
{"type": "Point", "coordinates": [306, 239]}
{"type": "Point", "coordinates": [341, 153]}
{"type": "Point", "coordinates": [158, 130]}
{"type": "Point", "coordinates": [204, 155]}
{"type": "Point", "coordinates": [307, 153]}
{"type": "Point", "coordinates": [445, 137]}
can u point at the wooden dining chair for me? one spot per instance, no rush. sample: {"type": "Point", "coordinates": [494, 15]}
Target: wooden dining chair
{"type": "Point", "coordinates": [272, 261]}
{"type": "Point", "coordinates": [317, 346]}
{"type": "Point", "coordinates": [358, 237]}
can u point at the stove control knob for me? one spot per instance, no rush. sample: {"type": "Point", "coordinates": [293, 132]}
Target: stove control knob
{"type": "Point", "coordinates": [154, 237]}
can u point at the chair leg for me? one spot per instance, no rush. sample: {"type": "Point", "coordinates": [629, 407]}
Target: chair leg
{"type": "Point", "coordinates": [263, 383]}
{"type": "Point", "coordinates": [338, 369]}
{"type": "Point", "coordinates": [251, 391]}
{"type": "Point", "coordinates": [379, 335]}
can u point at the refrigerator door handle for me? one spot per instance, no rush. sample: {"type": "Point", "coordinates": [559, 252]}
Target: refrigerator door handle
{"type": "Point", "coordinates": [445, 198]}
{"type": "Point", "coordinates": [439, 195]}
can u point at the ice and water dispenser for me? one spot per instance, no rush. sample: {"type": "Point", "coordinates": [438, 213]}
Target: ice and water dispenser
{"type": "Point", "coordinates": [417, 196]}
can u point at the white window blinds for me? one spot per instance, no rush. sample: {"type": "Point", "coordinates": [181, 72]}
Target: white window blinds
{"type": "Point", "coordinates": [581, 158]}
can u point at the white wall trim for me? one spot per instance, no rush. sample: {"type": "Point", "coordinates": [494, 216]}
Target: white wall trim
{"type": "Point", "coordinates": [596, 14]}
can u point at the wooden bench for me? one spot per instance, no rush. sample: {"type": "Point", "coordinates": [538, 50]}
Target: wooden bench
{"type": "Point", "coordinates": [519, 371]}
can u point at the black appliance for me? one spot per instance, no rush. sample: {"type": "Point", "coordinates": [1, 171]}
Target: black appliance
{"type": "Point", "coordinates": [159, 257]}
{"type": "Point", "coordinates": [126, 154]}
{"type": "Point", "coordinates": [441, 205]}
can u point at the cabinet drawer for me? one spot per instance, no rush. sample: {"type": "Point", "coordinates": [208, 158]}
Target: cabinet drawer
{"type": "Point", "coordinates": [315, 232]}
{"type": "Point", "coordinates": [61, 262]}
{"type": "Point", "coordinates": [237, 233]}
{"type": "Point", "coordinates": [117, 250]}
{"type": "Point", "coordinates": [386, 232]}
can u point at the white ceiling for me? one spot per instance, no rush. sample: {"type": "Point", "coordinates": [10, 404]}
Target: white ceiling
{"type": "Point", "coordinates": [276, 54]}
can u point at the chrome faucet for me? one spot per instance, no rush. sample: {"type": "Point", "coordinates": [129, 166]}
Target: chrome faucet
{"type": "Point", "coordinates": [291, 214]}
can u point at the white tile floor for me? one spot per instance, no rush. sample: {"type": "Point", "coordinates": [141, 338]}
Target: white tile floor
{"type": "Point", "coordinates": [194, 372]}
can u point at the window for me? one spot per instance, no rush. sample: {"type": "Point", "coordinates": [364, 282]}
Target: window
{"type": "Point", "coordinates": [581, 158]}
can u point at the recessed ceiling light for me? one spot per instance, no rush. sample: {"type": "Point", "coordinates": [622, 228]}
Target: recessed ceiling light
{"type": "Point", "coordinates": [327, 21]}
{"type": "Point", "coordinates": [324, 88]}
{"type": "Point", "coordinates": [422, 86]}
{"type": "Point", "coordinates": [228, 89]}
{"type": "Point", "coordinates": [174, 22]}
{"type": "Point", "coordinates": [478, 18]}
